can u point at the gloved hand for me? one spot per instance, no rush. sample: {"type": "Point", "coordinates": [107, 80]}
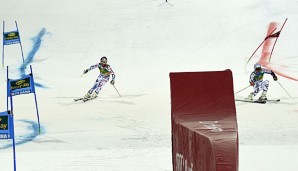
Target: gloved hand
{"type": "Point", "coordinates": [275, 78]}
{"type": "Point", "coordinates": [112, 82]}
{"type": "Point", "coordinates": [85, 71]}
{"type": "Point", "coordinates": [252, 83]}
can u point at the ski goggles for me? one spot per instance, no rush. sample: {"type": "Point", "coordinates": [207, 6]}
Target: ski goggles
{"type": "Point", "coordinates": [103, 61]}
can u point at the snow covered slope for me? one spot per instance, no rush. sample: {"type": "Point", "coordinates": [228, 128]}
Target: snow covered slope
{"type": "Point", "coordinates": [144, 41]}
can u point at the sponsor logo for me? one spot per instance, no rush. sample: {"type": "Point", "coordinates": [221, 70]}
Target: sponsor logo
{"type": "Point", "coordinates": [25, 83]}
{"type": "Point", "coordinates": [20, 82]}
{"type": "Point", "coordinates": [12, 42]}
{"type": "Point", "coordinates": [182, 164]}
{"type": "Point", "coordinates": [20, 92]}
{"type": "Point", "coordinates": [4, 136]}
{"type": "Point", "coordinates": [3, 122]}
{"type": "Point", "coordinates": [213, 126]}
{"type": "Point", "coordinates": [11, 36]}
{"type": "Point", "coordinates": [3, 126]}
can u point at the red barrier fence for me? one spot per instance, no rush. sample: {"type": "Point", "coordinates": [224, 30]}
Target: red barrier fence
{"type": "Point", "coordinates": [204, 124]}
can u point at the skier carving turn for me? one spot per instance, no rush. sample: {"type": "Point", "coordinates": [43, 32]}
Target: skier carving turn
{"type": "Point", "coordinates": [256, 80]}
{"type": "Point", "coordinates": [105, 71]}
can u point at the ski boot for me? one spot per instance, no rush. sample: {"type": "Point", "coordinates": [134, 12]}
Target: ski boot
{"type": "Point", "coordinates": [87, 96]}
{"type": "Point", "coordinates": [250, 97]}
{"type": "Point", "coordinates": [94, 95]}
{"type": "Point", "coordinates": [263, 97]}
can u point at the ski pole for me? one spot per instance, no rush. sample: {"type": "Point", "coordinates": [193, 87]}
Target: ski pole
{"type": "Point", "coordinates": [284, 89]}
{"type": "Point", "coordinates": [242, 89]}
{"type": "Point", "coordinates": [116, 90]}
{"type": "Point", "coordinates": [83, 74]}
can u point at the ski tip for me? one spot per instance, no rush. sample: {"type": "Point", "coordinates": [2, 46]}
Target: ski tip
{"type": "Point", "coordinates": [77, 99]}
{"type": "Point", "coordinates": [254, 101]}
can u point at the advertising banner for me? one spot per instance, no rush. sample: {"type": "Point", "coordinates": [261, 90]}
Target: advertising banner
{"type": "Point", "coordinates": [11, 37]}
{"type": "Point", "coordinates": [24, 85]}
{"type": "Point", "coordinates": [20, 86]}
{"type": "Point", "coordinates": [6, 125]}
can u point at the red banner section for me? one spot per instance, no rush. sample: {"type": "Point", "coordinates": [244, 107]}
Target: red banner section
{"type": "Point", "coordinates": [268, 47]}
{"type": "Point", "coordinates": [204, 124]}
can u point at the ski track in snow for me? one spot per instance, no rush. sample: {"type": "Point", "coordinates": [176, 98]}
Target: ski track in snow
{"type": "Point", "coordinates": [30, 133]}
{"type": "Point", "coordinates": [37, 40]}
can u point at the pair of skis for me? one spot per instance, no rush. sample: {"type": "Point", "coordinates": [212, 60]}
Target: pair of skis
{"type": "Point", "coordinates": [259, 101]}
{"type": "Point", "coordinates": [84, 99]}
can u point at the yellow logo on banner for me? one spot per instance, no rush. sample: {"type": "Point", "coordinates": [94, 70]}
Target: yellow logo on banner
{"type": "Point", "coordinates": [20, 82]}
{"type": "Point", "coordinates": [11, 34]}
{"type": "Point", "coordinates": [3, 126]}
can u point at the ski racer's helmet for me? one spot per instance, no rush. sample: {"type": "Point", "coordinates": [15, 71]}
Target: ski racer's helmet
{"type": "Point", "coordinates": [257, 67]}
{"type": "Point", "coordinates": [103, 60]}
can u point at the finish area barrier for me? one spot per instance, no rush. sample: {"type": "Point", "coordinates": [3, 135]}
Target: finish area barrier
{"type": "Point", "coordinates": [204, 124]}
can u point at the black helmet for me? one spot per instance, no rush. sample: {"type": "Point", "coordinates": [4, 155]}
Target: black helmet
{"type": "Point", "coordinates": [103, 59]}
